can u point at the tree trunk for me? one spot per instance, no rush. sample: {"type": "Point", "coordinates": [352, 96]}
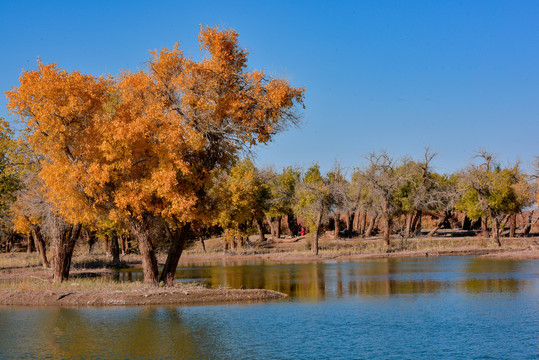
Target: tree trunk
{"type": "Point", "coordinates": [513, 226]}
{"type": "Point", "coordinates": [337, 229]}
{"type": "Point", "coordinates": [528, 226]}
{"type": "Point", "coordinates": [466, 223]}
{"type": "Point", "coordinates": [125, 242]}
{"type": "Point", "coordinates": [453, 221]}
{"type": "Point", "coordinates": [203, 244]}
{"type": "Point", "coordinates": [121, 242]}
{"type": "Point", "coordinates": [63, 248]}
{"type": "Point", "coordinates": [484, 227]}
{"type": "Point", "coordinates": [370, 228]}
{"type": "Point", "coordinates": [91, 240]}
{"type": "Point", "coordinates": [363, 222]}
{"type": "Point", "coordinates": [115, 249]}
{"type": "Point", "coordinates": [225, 242]}
{"type": "Point", "coordinates": [178, 240]}
{"type": "Point", "coordinates": [387, 221]}
{"type": "Point", "coordinates": [29, 243]}
{"type": "Point", "coordinates": [317, 225]}
{"type": "Point", "coordinates": [108, 251]}
{"type": "Point", "coordinates": [270, 223]}
{"type": "Point", "coordinates": [387, 228]}
{"type": "Point", "coordinates": [416, 223]}
{"type": "Point", "coordinates": [278, 227]}
{"type": "Point", "coordinates": [495, 230]}
{"type": "Point", "coordinates": [408, 226]}
{"type": "Point", "coordinates": [241, 242]}
{"type": "Point", "coordinates": [447, 215]}
{"type": "Point", "coordinates": [291, 229]}
{"type": "Point", "coordinates": [348, 222]}
{"type": "Point", "coordinates": [139, 229]}
{"type": "Point", "coordinates": [355, 222]}
{"type": "Point", "coordinates": [40, 245]}
{"type": "Point", "coordinates": [9, 242]}
{"type": "Point", "coordinates": [260, 228]}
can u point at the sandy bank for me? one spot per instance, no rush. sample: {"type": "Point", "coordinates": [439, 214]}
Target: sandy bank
{"type": "Point", "coordinates": [160, 296]}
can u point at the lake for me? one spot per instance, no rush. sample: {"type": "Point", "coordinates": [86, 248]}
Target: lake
{"type": "Point", "coordinates": [413, 308]}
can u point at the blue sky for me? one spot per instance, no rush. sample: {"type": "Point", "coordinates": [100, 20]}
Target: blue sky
{"type": "Point", "coordinates": [394, 75]}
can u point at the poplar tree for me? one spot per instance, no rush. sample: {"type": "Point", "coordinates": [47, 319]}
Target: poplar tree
{"type": "Point", "coordinates": [142, 148]}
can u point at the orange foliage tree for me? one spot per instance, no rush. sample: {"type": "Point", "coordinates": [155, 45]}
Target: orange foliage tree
{"type": "Point", "coordinates": [60, 111]}
{"type": "Point", "coordinates": [142, 148]}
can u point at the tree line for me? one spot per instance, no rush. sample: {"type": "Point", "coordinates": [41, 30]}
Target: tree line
{"type": "Point", "coordinates": [387, 195]}
{"type": "Point", "coordinates": [154, 156]}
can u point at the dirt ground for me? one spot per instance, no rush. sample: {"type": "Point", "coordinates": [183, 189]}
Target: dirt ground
{"type": "Point", "coordinates": [184, 295]}
{"type": "Point", "coordinates": [298, 249]}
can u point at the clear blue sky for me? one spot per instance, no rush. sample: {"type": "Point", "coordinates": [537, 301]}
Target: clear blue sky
{"type": "Point", "coordinates": [399, 76]}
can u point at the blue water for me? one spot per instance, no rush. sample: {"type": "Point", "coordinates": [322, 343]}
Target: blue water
{"type": "Point", "coordinates": [450, 308]}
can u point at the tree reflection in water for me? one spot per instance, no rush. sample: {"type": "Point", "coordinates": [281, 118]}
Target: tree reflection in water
{"type": "Point", "coordinates": [418, 303]}
{"type": "Point", "coordinates": [380, 277]}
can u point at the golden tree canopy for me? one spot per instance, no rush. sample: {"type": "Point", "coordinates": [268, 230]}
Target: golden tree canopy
{"type": "Point", "coordinates": [148, 142]}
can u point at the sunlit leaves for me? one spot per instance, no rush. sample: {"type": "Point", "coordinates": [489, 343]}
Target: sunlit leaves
{"type": "Point", "coordinates": [149, 142]}
{"type": "Point", "coordinates": [493, 191]}
{"type": "Point", "coordinates": [313, 196]}
{"type": "Point", "coordinates": [242, 196]}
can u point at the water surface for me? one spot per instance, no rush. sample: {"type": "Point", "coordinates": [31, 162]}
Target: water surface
{"type": "Point", "coordinates": [452, 307]}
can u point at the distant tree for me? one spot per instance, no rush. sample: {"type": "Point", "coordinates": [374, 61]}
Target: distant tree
{"type": "Point", "coordinates": [383, 180]}
{"type": "Point", "coordinates": [313, 201]}
{"type": "Point", "coordinates": [109, 231]}
{"type": "Point", "coordinates": [340, 193]}
{"type": "Point", "coordinates": [363, 204]}
{"type": "Point", "coordinates": [282, 189]}
{"type": "Point", "coordinates": [442, 198]}
{"type": "Point", "coordinates": [416, 190]}
{"type": "Point", "coordinates": [493, 191]}
{"type": "Point", "coordinates": [243, 198]}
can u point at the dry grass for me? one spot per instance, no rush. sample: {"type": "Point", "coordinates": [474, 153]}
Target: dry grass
{"type": "Point", "coordinates": [357, 246]}
{"type": "Point", "coordinates": [73, 284]}
{"type": "Point", "coordinates": [19, 260]}
{"type": "Point", "coordinates": [85, 284]}
{"type": "Point", "coordinates": [287, 250]}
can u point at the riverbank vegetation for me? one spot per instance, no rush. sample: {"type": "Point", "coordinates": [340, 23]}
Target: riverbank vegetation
{"type": "Point", "coordinates": [155, 161]}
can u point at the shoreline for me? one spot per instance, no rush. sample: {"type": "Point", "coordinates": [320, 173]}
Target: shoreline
{"type": "Point", "coordinates": [23, 283]}
{"type": "Point", "coordinates": [309, 257]}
